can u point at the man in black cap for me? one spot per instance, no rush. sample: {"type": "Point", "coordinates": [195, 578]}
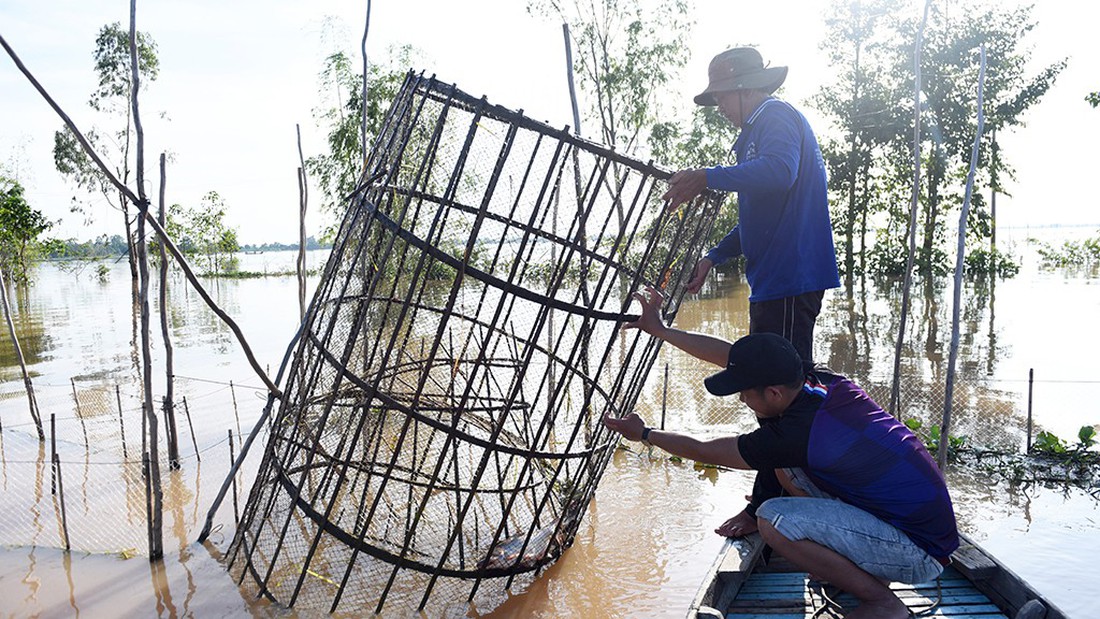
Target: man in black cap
{"type": "Point", "coordinates": [783, 226]}
{"type": "Point", "coordinates": [867, 505]}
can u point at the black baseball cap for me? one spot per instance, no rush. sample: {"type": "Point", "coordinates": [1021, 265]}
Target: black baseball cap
{"type": "Point", "coordinates": [757, 360]}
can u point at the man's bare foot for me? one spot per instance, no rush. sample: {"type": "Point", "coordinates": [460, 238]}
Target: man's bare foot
{"type": "Point", "coordinates": [887, 609]}
{"type": "Point", "coordinates": [739, 526]}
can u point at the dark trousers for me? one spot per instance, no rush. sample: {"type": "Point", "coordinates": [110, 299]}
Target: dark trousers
{"type": "Point", "coordinates": [790, 317]}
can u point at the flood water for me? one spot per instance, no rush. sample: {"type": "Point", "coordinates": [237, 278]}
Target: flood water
{"type": "Point", "coordinates": [647, 538]}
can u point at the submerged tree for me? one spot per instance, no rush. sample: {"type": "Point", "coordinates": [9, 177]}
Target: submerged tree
{"type": "Point", "coordinates": [864, 103]}
{"type": "Point", "coordinates": [202, 232]}
{"type": "Point", "coordinates": [628, 54]}
{"type": "Point", "coordinates": [112, 99]}
{"type": "Point", "coordinates": [950, 67]}
{"type": "Point", "coordinates": [338, 171]}
{"type": "Point", "coordinates": [21, 230]}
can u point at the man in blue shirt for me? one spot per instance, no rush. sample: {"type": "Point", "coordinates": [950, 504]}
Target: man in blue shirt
{"type": "Point", "coordinates": [783, 225]}
{"type": "Point", "coordinates": [868, 504]}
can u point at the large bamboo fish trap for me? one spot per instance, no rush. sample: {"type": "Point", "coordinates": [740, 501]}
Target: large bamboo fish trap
{"type": "Point", "coordinates": [439, 438]}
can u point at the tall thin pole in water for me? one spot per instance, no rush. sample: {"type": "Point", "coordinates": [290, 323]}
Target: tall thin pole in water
{"type": "Point", "coordinates": [171, 431]}
{"type": "Point", "coordinates": [303, 197]}
{"type": "Point", "coordinates": [32, 402]}
{"type": "Point", "coordinates": [895, 386]}
{"type": "Point", "coordinates": [960, 256]}
{"type": "Point", "coordinates": [155, 496]}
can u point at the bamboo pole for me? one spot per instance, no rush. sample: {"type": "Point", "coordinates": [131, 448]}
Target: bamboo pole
{"type": "Point", "coordinates": [363, 119]}
{"type": "Point", "coordinates": [232, 459]}
{"type": "Point", "coordinates": [194, 441]}
{"type": "Point", "coordinates": [156, 548]}
{"type": "Point", "coordinates": [32, 402]}
{"type": "Point", "coordinates": [895, 386]}
{"type": "Point", "coordinates": [303, 198]}
{"type": "Point", "coordinates": [121, 425]}
{"type": "Point", "coordinates": [171, 430]}
{"type": "Point", "coordinates": [236, 415]}
{"type": "Point", "coordinates": [79, 415]}
{"type": "Point", "coordinates": [58, 487]}
{"type": "Point", "coordinates": [960, 257]}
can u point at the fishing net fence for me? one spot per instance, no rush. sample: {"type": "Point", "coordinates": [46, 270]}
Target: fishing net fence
{"type": "Point", "coordinates": [439, 438]}
{"type": "Point", "coordinates": [92, 496]}
{"type": "Point", "coordinates": [990, 414]}
{"type": "Point", "coordinates": [99, 477]}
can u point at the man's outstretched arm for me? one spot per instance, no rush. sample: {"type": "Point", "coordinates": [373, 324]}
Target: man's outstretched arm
{"type": "Point", "coordinates": [720, 451]}
{"type": "Point", "coordinates": [700, 345]}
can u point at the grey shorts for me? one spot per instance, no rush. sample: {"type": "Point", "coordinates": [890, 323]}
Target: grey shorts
{"type": "Point", "coordinates": [877, 547]}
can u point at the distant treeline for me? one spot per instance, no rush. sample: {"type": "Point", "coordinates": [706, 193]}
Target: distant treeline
{"type": "Point", "coordinates": [114, 246]}
{"type": "Point", "coordinates": [311, 243]}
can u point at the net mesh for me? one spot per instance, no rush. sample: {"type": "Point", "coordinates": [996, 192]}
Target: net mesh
{"type": "Point", "coordinates": [440, 437]}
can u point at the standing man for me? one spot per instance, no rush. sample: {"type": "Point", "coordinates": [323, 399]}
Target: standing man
{"type": "Point", "coordinates": [783, 225]}
{"type": "Point", "coordinates": [868, 504]}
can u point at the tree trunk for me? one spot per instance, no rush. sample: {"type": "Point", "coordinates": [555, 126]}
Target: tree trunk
{"type": "Point", "coordinates": [32, 402]}
{"type": "Point", "coordinates": [171, 431]}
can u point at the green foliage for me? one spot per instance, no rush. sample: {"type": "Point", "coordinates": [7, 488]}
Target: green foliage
{"type": "Point", "coordinates": [1082, 254]}
{"type": "Point", "coordinates": [865, 105]}
{"type": "Point", "coordinates": [932, 438]}
{"type": "Point", "coordinates": [102, 273]}
{"type": "Point", "coordinates": [626, 55]}
{"type": "Point", "coordinates": [706, 141]}
{"type": "Point", "coordinates": [112, 65]}
{"type": "Point", "coordinates": [21, 230]}
{"type": "Point", "coordinates": [113, 246]}
{"type": "Point", "coordinates": [871, 162]}
{"type": "Point", "coordinates": [949, 64]}
{"type": "Point", "coordinates": [1048, 443]}
{"type": "Point", "coordinates": [201, 232]}
{"type": "Point", "coordinates": [981, 261]}
{"type": "Point", "coordinates": [111, 97]}
{"type": "Point", "coordinates": [341, 113]}
{"type": "Point", "coordinates": [1086, 438]}
{"type": "Point", "coordinates": [1093, 98]}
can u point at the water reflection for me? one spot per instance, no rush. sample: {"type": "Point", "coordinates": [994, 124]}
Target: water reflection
{"type": "Point", "coordinates": [646, 538]}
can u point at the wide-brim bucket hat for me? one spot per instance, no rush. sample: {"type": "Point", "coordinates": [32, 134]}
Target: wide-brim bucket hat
{"type": "Point", "coordinates": [740, 68]}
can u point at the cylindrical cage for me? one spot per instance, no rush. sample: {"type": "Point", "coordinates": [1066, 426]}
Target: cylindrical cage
{"type": "Point", "coordinates": [439, 438]}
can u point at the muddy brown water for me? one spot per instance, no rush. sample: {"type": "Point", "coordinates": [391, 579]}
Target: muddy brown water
{"type": "Point", "coordinates": [646, 539]}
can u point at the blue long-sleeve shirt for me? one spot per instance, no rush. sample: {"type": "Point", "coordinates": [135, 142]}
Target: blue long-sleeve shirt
{"type": "Point", "coordinates": [783, 226]}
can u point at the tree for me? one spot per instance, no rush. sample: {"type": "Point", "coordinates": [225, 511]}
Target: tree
{"type": "Point", "coordinates": [112, 99]}
{"type": "Point", "coordinates": [628, 54]}
{"type": "Point", "coordinates": [1093, 98]}
{"type": "Point", "coordinates": [202, 232]}
{"type": "Point", "coordinates": [863, 102]}
{"type": "Point", "coordinates": [950, 66]}
{"type": "Point", "coordinates": [21, 229]}
{"type": "Point", "coordinates": [338, 171]}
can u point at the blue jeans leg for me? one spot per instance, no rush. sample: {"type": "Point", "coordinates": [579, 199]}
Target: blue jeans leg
{"type": "Point", "coordinates": [877, 547]}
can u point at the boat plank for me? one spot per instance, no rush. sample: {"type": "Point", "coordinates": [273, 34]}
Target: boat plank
{"type": "Point", "coordinates": [974, 586]}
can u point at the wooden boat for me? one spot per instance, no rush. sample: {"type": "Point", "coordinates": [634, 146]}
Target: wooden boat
{"type": "Point", "coordinates": [741, 585]}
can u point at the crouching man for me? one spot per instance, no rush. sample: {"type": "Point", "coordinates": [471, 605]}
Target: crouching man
{"type": "Point", "coordinates": [866, 503]}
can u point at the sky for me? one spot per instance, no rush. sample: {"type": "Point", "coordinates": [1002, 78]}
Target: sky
{"type": "Point", "coordinates": [236, 78]}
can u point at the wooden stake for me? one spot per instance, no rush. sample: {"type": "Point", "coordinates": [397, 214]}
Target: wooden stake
{"type": "Point", "coordinates": [187, 411]}
{"type": "Point", "coordinates": [171, 432]}
{"type": "Point", "coordinates": [232, 460]}
{"type": "Point", "coordinates": [79, 416]}
{"type": "Point", "coordinates": [236, 415]}
{"type": "Point", "coordinates": [31, 401]}
{"type": "Point", "coordinates": [121, 426]}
